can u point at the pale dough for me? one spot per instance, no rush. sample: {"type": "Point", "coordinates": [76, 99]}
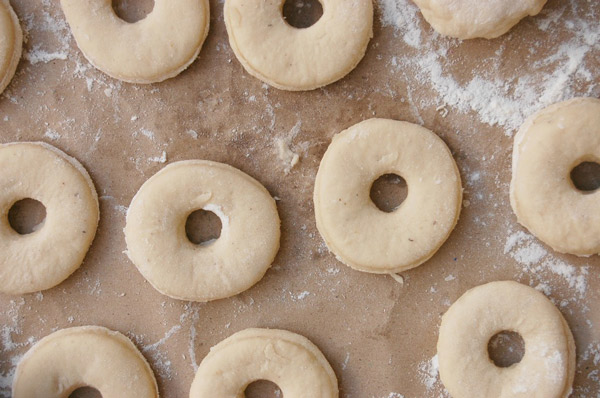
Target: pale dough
{"type": "Point", "coordinates": [11, 43]}
{"type": "Point", "coordinates": [287, 359]}
{"type": "Point", "coordinates": [88, 356]}
{"type": "Point", "coordinates": [354, 229]}
{"type": "Point", "coordinates": [547, 147]}
{"type": "Point", "coordinates": [151, 50]}
{"type": "Point", "coordinates": [469, 19]}
{"type": "Point", "coordinates": [546, 370]}
{"type": "Point", "coordinates": [157, 243]}
{"type": "Point", "coordinates": [46, 257]}
{"type": "Point", "coordinates": [299, 59]}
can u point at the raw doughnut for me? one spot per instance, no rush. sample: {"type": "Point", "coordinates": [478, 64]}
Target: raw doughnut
{"type": "Point", "coordinates": [547, 147]}
{"type": "Point", "coordinates": [469, 19]}
{"type": "Point", "coordinates": [88, 356]}
{"type": "Point", "coordinates": [46, 257]}
{"type": "Point", "coordinates": [299, 59]}
{"type": "Point", "coordinates": [10, 45]}
{"type": "Point", "coordinates": [151, 50]}
{"type": "Point", "coordinates": [546, 370]}
{"type": "Point", "coordinates": [354, 229]}
{"type": "Point", "coordinates": [287, 359]}
{"type": "Point", "coordinates": [157, 243]}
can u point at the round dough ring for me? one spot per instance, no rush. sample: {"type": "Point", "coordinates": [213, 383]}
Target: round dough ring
{"type": "Point", "coordinates": [546, 370]}
{"type": "Point", "coordinates": [11, 45]}
{"type": "Point", "coordinates": [151, 50]}
{"type": "Point", "coordinates": [157, 243]}
{"type": "Point", "coordinates": [299, 59]}
{"type": "Point", "coordinates": [547, 147]}
{"type": "Point", "coordinates": [354, 229]}
{"type": "Point", "coordinates": [469, 19]}
{"type": "Point", "coordinates": [287, 359]}
{"type": "Point", "coordinates": [87, 356]}
{"type": "Point", "coordinates": [46, 257]}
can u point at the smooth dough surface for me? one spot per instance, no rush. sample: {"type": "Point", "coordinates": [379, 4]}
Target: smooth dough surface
{"type": "Point", "coordinates": [547, 147]}
{"type": "Point", "coordinates": [157, 243]}
{"type": "Point", "coordinates": [87, 356]}
{"type": "Point", "coordinates": [469, 19]}
{"type": "Point", "coordinates": [11, 43]}
{"type": "Point", "coordinates": [354, 229]}
{"type": "Point", "coordinates": [287, 359]}
{"type": "Point", "coordinates": [46, 257]}
{"type": "Point", "coordinates": [151, 50]}
{"type": "Point", "coordinates": [299, 59]}
{"type": "Point", "coordinates": [547, 368]}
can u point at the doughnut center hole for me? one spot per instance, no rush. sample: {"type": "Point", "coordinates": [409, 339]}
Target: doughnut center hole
{"type": "Point", "coordinates": [388, 192]}
{"type": "Point", "coordinates": [263, 389]}
{"type": "Point", "coordinates": [132, 10]}
{"type": "Point", "coordinates": [506, 348]}
{"type": "Point", "coordinates": [86, 392]}
{"type": "Point", "coordinates": [27, 216]}
{"type": "Point", "coordinates": [302, 14]}
{"type": "Point", "coordinates": [203, 227]}
{"type": "Point", "coordinates": [586, 176]}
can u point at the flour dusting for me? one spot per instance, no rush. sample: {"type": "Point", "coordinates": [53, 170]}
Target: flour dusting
{"type": "Point", "coordinates": [541, 265]}
{"type": "Point", "coordinates": [503, 101]}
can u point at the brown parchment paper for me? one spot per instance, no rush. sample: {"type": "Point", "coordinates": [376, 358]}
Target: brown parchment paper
{"type": "Point", "coordinates": [379, 335]}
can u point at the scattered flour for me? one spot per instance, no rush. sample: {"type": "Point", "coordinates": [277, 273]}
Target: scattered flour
{"type": "Point", "coordinates": [283, 145]}
{"type": "Point", "coordinates": [503, 101]}
{"type": "Point", "coordinates": [429, 373]}
{"type": "Point", "coordinates": [303, 295]}
{"type": "Point", "coordinates": [51, 135]}
{"type": "Point", "coordinates": [159, 159]}
{"type": "Point", "coordinates": [395, 395]}
{"type": "Point", "coordinates": [160, 359]}
{"type": "Point", "coordinates": [540, 265]}
{"type": "Point", "coordinates": [8, 332]}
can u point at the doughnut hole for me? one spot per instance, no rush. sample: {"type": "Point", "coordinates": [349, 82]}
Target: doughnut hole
{"type": "Point", "coordinates": [506, 348]}
{"type": "Point", "coordinates": [132, 10]}
{"type": "Point", "coordinates": [586, 176]}
{"type": "Point", "coordinates": [263, 389]}
{"type": "Point", "coordinates": [302, 14]}
{"type": "Point", "coordinates": [388, 192]}
{"type": "Point", "coordinates": [27, 216]}
{"type": "Point", "coordinates": [203, 227]}
{"type": "Point", "coordinates": [86, 392]}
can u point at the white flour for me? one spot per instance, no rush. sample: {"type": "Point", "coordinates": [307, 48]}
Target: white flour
{"type": "Point", "coordinates": [540, 265]}
{"type": "Point", "coordinates": [503, 101]}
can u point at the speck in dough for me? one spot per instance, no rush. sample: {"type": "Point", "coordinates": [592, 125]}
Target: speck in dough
{"type": "Point", "coordinates": [354, 229]}
{"type": "Point", "coordinates": [157, 243]}
{"type": "Point", "coordinates": [295, 59]}
{"type": "Point", "coordinates": [46, 257]}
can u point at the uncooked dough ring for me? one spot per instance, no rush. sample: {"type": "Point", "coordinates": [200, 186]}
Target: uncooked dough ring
{"type": "Point", "coordinates": [11, 44]}
{"type": "Point", "coordinates": [546, 370]}
{"type": "Point", "coordinates": [547, 147]}
{"type": "Point", "coordinates": [87, 356]}
{"type": "Point", "coordinates": [469, 19]}
{"type": "Point", "coordinates": [287, 359]}
{"type": "Point", "coordinates": [46, 257]}
{"type": "Point", "coordinates": [151, 50]}
{"type": "Point", "coordinates": [299, 59]}
{"type": "Point", "coordinates": [157, 243]}
{"type": "Point", "coordinates": [354, 229]}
